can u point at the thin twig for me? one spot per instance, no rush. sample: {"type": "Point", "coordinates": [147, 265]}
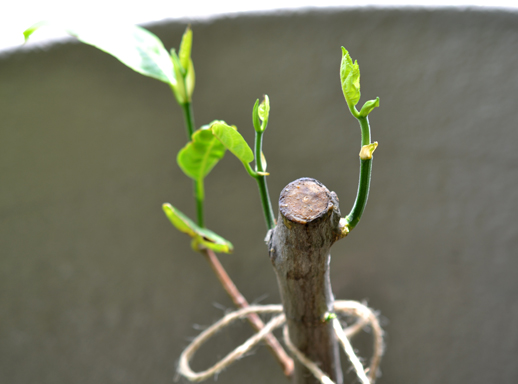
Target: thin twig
{"type": "Point", "coordinates": [239, 300]}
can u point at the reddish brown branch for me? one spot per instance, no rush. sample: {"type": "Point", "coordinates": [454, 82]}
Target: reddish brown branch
{"type": "Point", "coordinates": [271, 342]}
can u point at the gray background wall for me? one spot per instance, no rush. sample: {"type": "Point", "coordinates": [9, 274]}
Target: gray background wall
{"type": "Point", "coordinates": [97, 287]}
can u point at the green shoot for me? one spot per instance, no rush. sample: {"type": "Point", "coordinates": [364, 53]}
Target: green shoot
{"type": "Point", "coordinates": [236, 144]}
{"type": "Point", "coordinates": [350, 80]}
{"type": "Point", "coordinates": [260, 116]}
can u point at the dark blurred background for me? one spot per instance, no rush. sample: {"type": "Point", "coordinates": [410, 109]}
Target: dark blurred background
{"type": "Point", "coordinates": [96, 286]}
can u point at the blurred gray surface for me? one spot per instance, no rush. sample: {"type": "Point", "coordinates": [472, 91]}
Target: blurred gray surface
{"type": "Point", "coordinates": [97, 287]}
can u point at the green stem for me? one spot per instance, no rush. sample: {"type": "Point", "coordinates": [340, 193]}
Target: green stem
{"type": "Point", "coordinates": [198, 184]}
{"type": "Point", "coordinates": [257, 151]}
{"type": "Point", "coordinates": [199, 196]}
{"type": "Point", "coordinates": [362, 195]}
{"type": "Point", "coordinates": [261, 183]}
{"type": "Point", "coordinates": [353, 218]}
{"type": "Point", "coordinates": [265, 201]}
{"type": "Point", "coordinates": [366, 130]}
{"type": "Point", "coordinates": [189, 119]}
{"type": "Point", "coordinates": [250, 171]}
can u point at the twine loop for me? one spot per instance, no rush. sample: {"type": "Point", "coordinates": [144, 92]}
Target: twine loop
{"type": "Point", "coordinates": [365, 317]}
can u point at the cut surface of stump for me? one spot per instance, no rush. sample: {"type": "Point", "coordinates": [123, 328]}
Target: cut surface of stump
{"type": "Point", "coordinates": [299, 245]}
{"type": "Point", "coordinates": [304, 200]}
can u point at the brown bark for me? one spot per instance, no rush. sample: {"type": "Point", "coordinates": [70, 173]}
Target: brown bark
{"type": "Point", "coordinates": [299, 247]}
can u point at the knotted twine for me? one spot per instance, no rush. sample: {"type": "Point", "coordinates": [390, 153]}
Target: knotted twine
{"type": "Point", "coordinates": [366, 317]}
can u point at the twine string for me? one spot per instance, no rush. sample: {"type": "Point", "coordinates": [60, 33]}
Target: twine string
{"type": "Point", "coordinates": [366, 317]}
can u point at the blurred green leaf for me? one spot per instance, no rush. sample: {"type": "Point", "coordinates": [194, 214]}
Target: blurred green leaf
{"type": "Point", "coordinates": [202, 237]}
{"type": "Point", "coordinates": [185, 49]}
{"type": "Point", "coordinates": [234, 142]}
{"type": "Point", "coordinates": [179, 220]}
{"type": "Point", "coordinates": [179, 88]}
{"type": "Point", "coordinates": [199, 156]}
{"type": "Point", "coordinates": [350, 79]}
{"type": "Point", "coordinates": [29, 31]}
{"type": "Point", "coordinates": [134, 46]}
{"type": "Point", "coordinates": [190, 80]}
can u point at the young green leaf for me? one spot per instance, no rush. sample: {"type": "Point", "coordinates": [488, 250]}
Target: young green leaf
{"type": "Point", "coordinates": [179, 88]}
{"type": "Point", "coordinates": [369, 106]}
{"type": "Point", "coordinates": [208, 239]}
{"type": "Point", "coordinates": [350, 79]}
{"type": "Point", "coordinates": [190, 80]}
{"type": "Point", "coordinates": [179, 220]}
{"type": "Point", "coordinates": [202, 237]}
{"type": "Point", "coordinates": [264, 112]}
{"type": "Point", "coordinates": [255, 117]}
{"type": "Point", "coordinates": [29, 31]}
{"type": "Point", "coordinates": [134, 46]}
{"type": "Point", "coordinates": [234, 142]}
{"type": "Point", "coordinates": [328, 316]}
{"type": "Point", "coordinates": [199, 156]}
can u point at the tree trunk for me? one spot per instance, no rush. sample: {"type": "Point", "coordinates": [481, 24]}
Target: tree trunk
{"type": "Point", "coordinates": [299, 246]}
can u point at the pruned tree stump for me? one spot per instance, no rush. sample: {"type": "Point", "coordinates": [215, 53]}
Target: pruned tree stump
{"type": "Point", "coordinates": [299, 246]}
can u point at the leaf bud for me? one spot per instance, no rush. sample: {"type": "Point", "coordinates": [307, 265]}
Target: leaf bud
{"type": "Point", "coordinates": [369, 106]}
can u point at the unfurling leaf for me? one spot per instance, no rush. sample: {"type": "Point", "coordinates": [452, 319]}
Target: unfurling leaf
{"type": "Point", "coordinates": [369, 106]}
{"type": "Point", "coordinates": [134, 46]}
{"type": "Point", "coordinates": [185, 49]}
{"type": "Point", "coordinates": [264, 112]}
{"type": "Point", "coordinates": [255, 117]}
{"type": "Point", "coordinates": [202, 237]}
{"type": "Point", "coordinates": [200, 155]}
{"type": "Point", "coordinates": [350, 79]}
{"type": "Point", "coordinates": [190, 80]}
{"type": "Point", "coordinates": [179, 88]}
{"type": "Point", "coordinates": [234, 142]}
